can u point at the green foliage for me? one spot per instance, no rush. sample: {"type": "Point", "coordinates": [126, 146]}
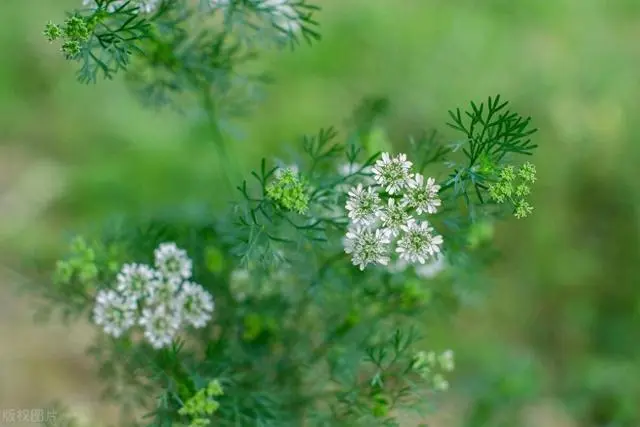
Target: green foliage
{"type": "Point", "coordinates": [492, 135]}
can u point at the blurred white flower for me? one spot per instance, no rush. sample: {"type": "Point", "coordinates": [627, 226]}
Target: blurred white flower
{"type": "Point", "coordinates": [239, 283]}
{"type": "Point", "coordinates": [283, 15]}
{"type": "Point", "coordinates": [195, 304]}
{"type": "Point", "coordinates": [446, 361]}
{"type": "Point", "coordinates": [160, 325]}
{"type": "Point", "coordinates": [172, 262]}
{"type": "Point", "coordinates": [134, 281]}
{"type": "Point", "coordinates": [363, 205]}
{"type": "Point", "coordinates": [367, 246]}
{"type": "Point", "coordinates": [421, 197]}
{"type": "Point", "coordinates": [432, 268]}
{"type": "Point", "coordinates": [440, 383]}
{"type": "Point", "coordinates": [398, 266]}
{"type": "Point", "coordinates": [394, 217]}
{"type": "Point", "coordinates": [418, 243]}
{"type": "Point", "coordinates": [115, 313]}
{"type": "Point", "coordinates": [280, 12]}
{"type": "Point", "coordinates": [162, 291]}
{"type": "Point", "coordinates": [392, 173]}
{"type": "Point", "coordinates": [346, 169]}
{"type": "Point", "coordinates": [146, 6]}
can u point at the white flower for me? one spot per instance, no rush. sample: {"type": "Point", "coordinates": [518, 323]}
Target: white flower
{"type": "Point", "coordinates": [239, 283]}
{"type": "Point", "coordinates": [439, 383]}
{"type": "Point", "coordinates": [367, 246]}
{"type": "Point", "coordinates": [162, 291]}
{"type": "Point", "coordinates": [160, 325]}
{"type": "Point", "coordinates": [432, 268]}
{"type": "Point", "coordinates": [392, 173]}
{"type": "Point", "coordinates": [446, 361]}
{"type": "Point", "coordinates": [195, 304]}
{"type": "Point", "coordinates": [363, 205]}
{"type": "Point", "coordinates": [115, 313]}
{"type": "Point", "coordinates": [418, 242]}
{"type": "Point", "coordinates": [421, 197]}
{"type": "Point", "coordinates": [394, 217]}
{"type": "Point", "coordinates": [134, 281]}
{"type": "Point", "coordinates": [172, 262]}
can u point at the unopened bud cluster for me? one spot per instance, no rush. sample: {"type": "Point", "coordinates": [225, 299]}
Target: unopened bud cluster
{"type": "Point", "coordinates": [289, 191]}
{"type": "Point", "coordinates": [433, 367]}
{"type": "Point", "coordinates": [387, 213]}
{"type": "Point", "coordinates": [513, 186]}
{"type": "Point", "coordinates": [74, 33]}
{"type": "Point", "coordinates": [160, 300]}
{"type": "Point", "coordinates": [202, 405]}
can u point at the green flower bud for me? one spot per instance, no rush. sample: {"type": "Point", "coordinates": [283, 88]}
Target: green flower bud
{"type": "Point", "coordinates": [215, 389]}
{"type": "Point", "coordinates": [522, 190]}
{"type": "Point", "coordinates": [507, 174]}
{"type": "Point", "coordinates": [52, 31]}
{"type": "Point", "coordinates": [523, 209]}
{"type": "Point", "coordinates": [289, 192]}
{"type": "Point", "coordinates": [71, 49]}
{"type": "Point", "coordinates": [75, 28]}
{"type": "Point", "coordinates": [528, 172]}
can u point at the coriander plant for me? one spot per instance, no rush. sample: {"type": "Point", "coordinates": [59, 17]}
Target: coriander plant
{"type": "Point", "coordinates": [305, 303]}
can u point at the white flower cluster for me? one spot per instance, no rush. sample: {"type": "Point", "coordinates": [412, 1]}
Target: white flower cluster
{"type": "Point", "coordinates": [280, 12]}
{"type": "Point", "coordinates": [387, 212]}
{"type": "Point", "coordinates": [146, 6]}
{"type": "Point", "coordinates": [432, 367]}
{"type": "Point", "coordinates": [161, 299]}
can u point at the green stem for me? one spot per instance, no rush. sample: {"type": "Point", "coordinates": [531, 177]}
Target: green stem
{"type": "Point", "coordinates": [229, 164]}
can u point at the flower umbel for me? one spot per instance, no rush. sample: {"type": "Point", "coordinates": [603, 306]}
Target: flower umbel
{"type": "Point", "coordinates": [134, 281]}
{"type": "Point", "coordinates": [363, 205]}
{"type": "Point", "coordinates": [288, 190]}
{"type": "Point", "coordinates": [418, 242]}
{"type": "Point", "coordinates": [394, 216]}
{"type": "Point", "coordinates": [367, 246]}
{"type": "Point", "coordinates": [172, 262]}
{"type": "Point", "coordinates": [507, 189]}
{"type": "Point", "coordinates": [160, 325]}
{"type": "Point", "coordinates": [195, 304]}
{"type": "Point", "coordinates": [115, 313]}
{"type": "Point", "coordinates": [392, 173]}
{"type": "Point", "coordinates": [422, 197]}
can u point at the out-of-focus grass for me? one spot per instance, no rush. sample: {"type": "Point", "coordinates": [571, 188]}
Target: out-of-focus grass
{"type": "Point", "coordinates": [567, 293]}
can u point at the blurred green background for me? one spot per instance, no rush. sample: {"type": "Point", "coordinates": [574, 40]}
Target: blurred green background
{"type": "Point", "coordinates": [557, 340]}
